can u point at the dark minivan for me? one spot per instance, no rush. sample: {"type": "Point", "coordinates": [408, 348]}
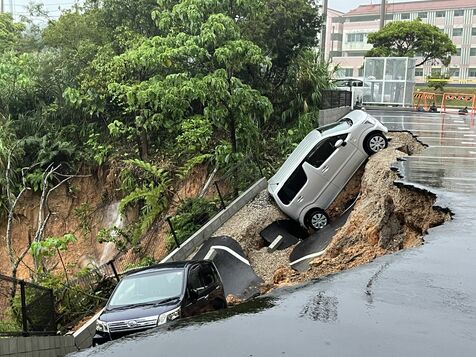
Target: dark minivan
{"type": "Point", "coordinates": [149, 297]}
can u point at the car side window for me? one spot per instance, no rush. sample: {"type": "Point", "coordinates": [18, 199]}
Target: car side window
{"type": "Point", "coordinates": [207, 275]}
{"type": "Point", "coordinates": [323, 151]}
{"type": "Point", "coordinates": [194, 281]}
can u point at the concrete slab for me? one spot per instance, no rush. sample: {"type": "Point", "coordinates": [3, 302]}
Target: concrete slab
{"type": "Point", "coordinates": [238, 277]}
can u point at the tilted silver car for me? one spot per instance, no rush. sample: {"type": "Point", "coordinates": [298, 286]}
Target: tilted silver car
{"type": "Point", "coordinates": [322, 164]}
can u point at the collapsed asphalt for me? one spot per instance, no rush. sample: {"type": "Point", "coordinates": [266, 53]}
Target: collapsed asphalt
{"type": "Point", "coordinates": [415, 302]}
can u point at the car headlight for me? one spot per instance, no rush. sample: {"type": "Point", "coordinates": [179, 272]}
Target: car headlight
{"type": "Point", "coordinates": [169, 316]}
{"type": "Point", "coordinates": [102, 326]}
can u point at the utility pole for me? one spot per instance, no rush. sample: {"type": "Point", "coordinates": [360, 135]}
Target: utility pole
{"type": "Point", "coordinates": [382, 14]}
{"type": "Point", "coordinates": [1, 6]}
{"type": "Point", "coordinates": [323, 32]}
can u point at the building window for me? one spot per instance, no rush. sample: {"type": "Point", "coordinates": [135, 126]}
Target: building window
{"type": "Point", "coordinates": [440, 14]}
{"type": "Point", "coordinates": [364, 18]}
{"type": "Point", "coordinates": [458, 52]}
{"type": "Point", "coordinates": [436, 71]}
{"type": "Point", "coordinates": [405, 16]}
{"type": "Point", "coordinates": [418, 72]}
{"type": "Point", "coordinates": [348, 72]}
{"type": "Point", "coordinates": [472, 72]}
{"type": "Point", "coordinates": [422, 15]}
{"type": "Point", "coordinates": [356, 37]}
{"type": "Point", "coordinates": [361, 71]}
{"type": "Point", "coordinates": [454, 72]}
{"type": "Point", "coordinates": [473, 31]}
{"type": "Point", "coordinates": [457, 32]}
{"type": "Point", "coordinates": [474, 12]}
{"type": "Point", "coordinates": [356, 53]}
{"type": "Point", "coordinates": [472, 52]}
{"type": "Point", "coordinates": [459, 12]}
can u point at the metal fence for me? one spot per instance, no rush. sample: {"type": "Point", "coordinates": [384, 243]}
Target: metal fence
{"type": "Point", "coordinates": [25, 308]}
{"type": "Point", "coordinates": [332, 98]}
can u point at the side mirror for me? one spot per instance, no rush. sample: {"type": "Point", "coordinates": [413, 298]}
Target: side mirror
{"type": "Point", "coordinates": [340, 143]}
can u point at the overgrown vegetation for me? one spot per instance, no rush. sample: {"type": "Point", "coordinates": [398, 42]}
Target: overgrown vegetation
{"type": "Point", "coordinates": [157, 87]}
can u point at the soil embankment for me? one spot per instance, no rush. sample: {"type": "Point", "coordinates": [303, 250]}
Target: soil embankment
{"type": "Point", "coordinates": [387, 217]}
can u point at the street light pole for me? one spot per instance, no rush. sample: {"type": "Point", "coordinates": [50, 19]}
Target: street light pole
{"type": "Point", "coordinates": [382, 14]}
{"type": "Point", "coordinates": [1, 6]}
{"type": "Point", "coordinates": [323, 31]}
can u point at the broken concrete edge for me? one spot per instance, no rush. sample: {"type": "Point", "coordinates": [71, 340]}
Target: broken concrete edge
{"type": "Point", "coordinates": [37, 346]}
{"type": "Point", "coordinates": [199, 237]}
{"type": "Point", "coordinates": [83, 338]}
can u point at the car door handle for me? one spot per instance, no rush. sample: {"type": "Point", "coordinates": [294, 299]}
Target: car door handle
{"type": "Point", "coordinates": [300, 199]}
{"type": "Point", "coordinates": [325, 169]}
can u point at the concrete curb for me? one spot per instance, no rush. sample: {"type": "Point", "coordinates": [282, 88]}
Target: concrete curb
{"type": "Point", "coordinates": [199, 237]}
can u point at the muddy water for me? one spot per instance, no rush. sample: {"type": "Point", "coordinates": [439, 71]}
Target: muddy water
{"type": "Point", "coordinates": [113, 219]}
{"type": "Point", "coordinates": [418, 302]}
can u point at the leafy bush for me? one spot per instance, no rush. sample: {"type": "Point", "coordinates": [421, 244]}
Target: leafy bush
{"type": "Point", "coordinates": [192, 214]}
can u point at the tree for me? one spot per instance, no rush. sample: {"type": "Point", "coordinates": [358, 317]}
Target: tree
{"type": "Point", "coordinates": [10, 32]}
{"type": "Point", "coordinates": [410, 39]}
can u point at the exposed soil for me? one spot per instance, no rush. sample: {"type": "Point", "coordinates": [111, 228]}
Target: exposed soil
{"type": "Point", "coordinates": [387, 217]}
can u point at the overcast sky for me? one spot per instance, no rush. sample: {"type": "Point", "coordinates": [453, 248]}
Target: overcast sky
{"type": "Point", "coordinates": [53, 5]}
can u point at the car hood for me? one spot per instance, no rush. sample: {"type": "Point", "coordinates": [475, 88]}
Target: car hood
{"type": "Point", "coordinates": [136, 312]}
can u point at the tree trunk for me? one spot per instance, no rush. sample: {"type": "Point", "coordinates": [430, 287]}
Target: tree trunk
{"type": "Point", "coordinates": [143, 143]}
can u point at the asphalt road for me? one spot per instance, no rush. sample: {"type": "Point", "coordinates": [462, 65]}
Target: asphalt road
{"type": "Point", "coordinates": [418, 302]}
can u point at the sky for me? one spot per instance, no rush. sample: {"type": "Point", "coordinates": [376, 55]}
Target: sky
{"type": "Point", "coordinates": [53, 5]}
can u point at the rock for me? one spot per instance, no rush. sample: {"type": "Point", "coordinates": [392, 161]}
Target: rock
{"type": "Point", "coordinates": [232, 300]}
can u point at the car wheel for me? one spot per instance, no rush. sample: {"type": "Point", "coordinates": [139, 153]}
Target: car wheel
{"type": "Point", "coordinates": [374, 143]}
{"type": "Point", "coordinates": [317, 219]}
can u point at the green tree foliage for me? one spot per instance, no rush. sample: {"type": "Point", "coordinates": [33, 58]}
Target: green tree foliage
{"type": "Point", "coordinates": [180, 82]}
{"type": "Point", "coordinates": [10, 33]}
{"type": "Point", "coordinates": [412, 38]}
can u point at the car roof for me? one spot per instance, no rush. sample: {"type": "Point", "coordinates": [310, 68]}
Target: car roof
{"type": "Point", "coordinates": [159, 267]}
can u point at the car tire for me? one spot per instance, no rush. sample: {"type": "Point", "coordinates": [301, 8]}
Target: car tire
{"type": "Point", "coordinates": [317, 219]}
{"type": "Point", "coordinates": [375, 142]}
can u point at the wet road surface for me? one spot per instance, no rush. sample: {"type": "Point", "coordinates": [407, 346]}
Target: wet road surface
{"type": "Point", "coordinates": [418, 302]}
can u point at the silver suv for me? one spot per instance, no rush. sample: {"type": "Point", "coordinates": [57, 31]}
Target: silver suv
{"type": "Point", "coordinates": [322, 164]}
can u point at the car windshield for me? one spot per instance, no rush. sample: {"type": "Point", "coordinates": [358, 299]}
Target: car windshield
{"type": "Point", "coordinates": [335, 127]}
{"type": "Point", "coordinates": [148, 288]}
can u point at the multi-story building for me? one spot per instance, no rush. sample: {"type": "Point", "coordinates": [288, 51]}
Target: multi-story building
{"type": "Point", "coordinates": [346, 42]}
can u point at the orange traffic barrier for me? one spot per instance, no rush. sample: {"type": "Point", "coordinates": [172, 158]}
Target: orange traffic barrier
{"type": "Point", "coordinates": [469, 100]}
{"type": "Point", "coordinates": [424, 99]}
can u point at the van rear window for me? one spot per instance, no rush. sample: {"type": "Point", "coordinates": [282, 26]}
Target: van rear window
{"type": "Point", "coordinates": [292, 185]}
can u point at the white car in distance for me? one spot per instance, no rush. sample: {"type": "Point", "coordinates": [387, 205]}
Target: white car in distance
{"type": "Point", "coordinates": [322, 164]}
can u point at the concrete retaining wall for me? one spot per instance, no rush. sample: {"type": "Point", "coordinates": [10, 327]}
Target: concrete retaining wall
{"type": "Point", "coordinates": [196, 240]}
{"type": "Point", "coordinates": [327, 116]}
{"type": "Point", "coordinates": [37, 346]}
{"type": "Point", "coordinates": [84, 336]}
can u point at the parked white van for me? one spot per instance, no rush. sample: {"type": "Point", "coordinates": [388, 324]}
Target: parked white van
{"type": "Point", "coordinates": [322, 164]}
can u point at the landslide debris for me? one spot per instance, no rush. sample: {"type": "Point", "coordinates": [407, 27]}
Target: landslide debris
{"type": "Point", "coordinates": [387, 217]}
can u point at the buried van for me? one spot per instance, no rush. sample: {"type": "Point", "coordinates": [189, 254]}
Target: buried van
{"type": "Point", "coordinates": [322, 164]}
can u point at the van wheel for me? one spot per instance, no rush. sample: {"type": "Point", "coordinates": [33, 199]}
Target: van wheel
{"type": "Point", "coordinates": [375, 142]}
{"type": "Point", "coordinates": [317, 219]}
